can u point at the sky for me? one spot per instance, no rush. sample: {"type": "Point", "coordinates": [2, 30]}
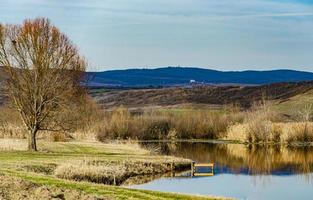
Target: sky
{"type": "Point", "coordinates": [228, 35]}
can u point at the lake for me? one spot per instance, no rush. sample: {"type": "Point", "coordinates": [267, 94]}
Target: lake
{"type": "Point", "coordinates": [240, 171]}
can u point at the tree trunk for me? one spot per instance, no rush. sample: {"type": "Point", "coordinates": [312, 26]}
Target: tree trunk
{"type": "Point", "coordinates": [32, 145]}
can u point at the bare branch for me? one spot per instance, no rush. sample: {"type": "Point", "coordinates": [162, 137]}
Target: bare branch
{"type": "Point", "coordinates": [44, 72]}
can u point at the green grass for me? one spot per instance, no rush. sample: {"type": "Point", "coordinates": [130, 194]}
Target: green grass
{"type": "Point", "coordinates": [97, 189]}
{"type": "Point", "coordinates": [12, 162]}
{"type": "Point", "coordinates": [295, 104]}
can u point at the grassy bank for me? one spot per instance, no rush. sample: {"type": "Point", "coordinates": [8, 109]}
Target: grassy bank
{"type": "Point", "coordinates": [44, 168]}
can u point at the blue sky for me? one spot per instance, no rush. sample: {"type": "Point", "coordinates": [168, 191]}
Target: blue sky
{"type": "Point", "coordinates": [217, 34]}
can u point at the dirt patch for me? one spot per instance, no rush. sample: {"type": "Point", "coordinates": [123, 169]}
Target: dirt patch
{"type": "Point", "coordinates": [12, 188]}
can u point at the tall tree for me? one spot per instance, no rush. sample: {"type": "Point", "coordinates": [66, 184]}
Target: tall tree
{"type": "Point", "coordinates": [44, 71]}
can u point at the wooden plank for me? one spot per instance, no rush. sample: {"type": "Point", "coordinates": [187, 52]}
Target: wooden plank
{"type": "Point", "coordinates": [208, 165]}
{"type": "Point", "coordinates": [204, 165]}
{"type": "Point", "coordinates": [203, 174]}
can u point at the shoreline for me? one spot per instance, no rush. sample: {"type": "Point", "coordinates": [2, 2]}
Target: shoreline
{"type": "Point", "coordinates": [101, 162]}
{"type": "Point", "coordinates": [225, 141]}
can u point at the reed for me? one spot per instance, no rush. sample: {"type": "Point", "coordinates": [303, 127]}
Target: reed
{"type": "Point", "coordinates": [288, 132]}
{"type": "Point", "coordinates": [167, 124]}
{"type": "Point", "coordinates": [258, 126]}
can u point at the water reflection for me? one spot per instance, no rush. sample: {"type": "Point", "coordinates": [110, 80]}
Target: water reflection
{"type": "Point", "coordinates": [240, 171]}
{"type": "Point", "coordinates": [243, 159]}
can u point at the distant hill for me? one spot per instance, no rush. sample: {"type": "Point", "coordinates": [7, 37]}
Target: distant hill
{"type": "Point", "coordinates": [208, 95]}
{"type": "Point", "coordinates": [171, 76]}
{"type": "Point", "coordinates": [247, 87]}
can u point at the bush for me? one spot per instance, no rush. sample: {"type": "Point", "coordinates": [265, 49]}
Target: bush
{"type": "Point", "coordinates": [291, 132]}
{"type": "Point", "coordinates": [257, 126]}
{"type": "Point", "coordinates": [299, 132]}
{"type": "Point", "coordinates": [157, 130]}
{"type": "Point", "coordinates": [259, 121]}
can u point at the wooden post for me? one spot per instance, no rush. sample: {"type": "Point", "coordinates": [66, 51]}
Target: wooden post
{"type": "Point", "coordinates": [192, 171]}
{"type": "Point", "coordinates": [172, 169]}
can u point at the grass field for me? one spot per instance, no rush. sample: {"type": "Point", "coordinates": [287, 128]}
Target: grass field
{"type": "Point", "coordinates": [34, 171]}
{"type": "Point", "coordinates": [293, 105]}
{"type": "Point", "coordinates": [208, 95]}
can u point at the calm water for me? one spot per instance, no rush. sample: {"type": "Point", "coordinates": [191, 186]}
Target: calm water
{"type": "Point", "coordinates": [243, 172]}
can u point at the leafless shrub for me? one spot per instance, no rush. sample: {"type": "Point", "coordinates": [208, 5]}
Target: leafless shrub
{"type": "Point", "coordinates": [303, 130]}
{"type": "Point", "coordinates": [299, 132]}
{"type": "Point", "coordinates": [306, 113]}
{"type": "Point", "coordinates": [259, 121]}
{"type": "Point", "coordinates": [257, 126]}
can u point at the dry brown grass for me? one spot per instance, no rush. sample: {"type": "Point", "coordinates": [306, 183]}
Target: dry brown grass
{"type": "Point", "coordinates": [297, 132]}
{"type": "Point", "coordinates": [86, 120]}
{"type": "Point", "coordinates": [259, 123]}
{"type": "Point", "coordinates": [110, 163]}
{"type": "Point", "coordinates": [257, 127]}
{"type": "Point", "coordinates": [13, 145]}
{"type": "Point", "coordinates": [10, 124]}
{"type": "Point", "coordinates": [260, 126]}
{"type": "Point", "coordinates": [291, 132]}
{"type": "Point", "coordinates": [167, 124]}
{"type": "Point", "coordinates": [115, 173]}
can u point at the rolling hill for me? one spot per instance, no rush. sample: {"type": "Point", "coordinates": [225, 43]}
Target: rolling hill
{"type": "Point", "coordinates": [248, 87]}
{"type": "Point", "coordinates": [171, 76]}
{"type": "Point", "coordinates": [209, 95]}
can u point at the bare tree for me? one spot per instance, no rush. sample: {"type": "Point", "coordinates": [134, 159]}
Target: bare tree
{"type": "Point", "coordinates": [44, 70]}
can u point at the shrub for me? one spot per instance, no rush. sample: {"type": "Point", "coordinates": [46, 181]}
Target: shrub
{"type": "Point", "coordinates": [157, 130]}
{"type": "Point", "coordinates": [257, 126]}
{"type": "Point", "coordinates": [59, 137]}
{"type": "Point", "coordinates": [299, 132]}
{"type": "Point", "coordinates": [291, 132]}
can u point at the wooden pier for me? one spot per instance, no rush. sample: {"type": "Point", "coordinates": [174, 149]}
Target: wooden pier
{"type": "Point", "coordinates": [195, 166]}
{"type": "Point", "coordinates": [208, 168]}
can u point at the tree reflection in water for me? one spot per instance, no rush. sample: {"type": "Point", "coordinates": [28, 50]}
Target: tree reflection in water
{"type": "Point", "coordinates": [243, 159]}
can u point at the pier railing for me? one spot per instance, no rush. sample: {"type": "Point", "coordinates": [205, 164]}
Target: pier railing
{"type": "Point", "coordinates": [197, 169]}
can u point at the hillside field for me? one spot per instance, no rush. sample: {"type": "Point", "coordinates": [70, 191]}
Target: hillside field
{"type": "Point", "coordinates": [244, 96]}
